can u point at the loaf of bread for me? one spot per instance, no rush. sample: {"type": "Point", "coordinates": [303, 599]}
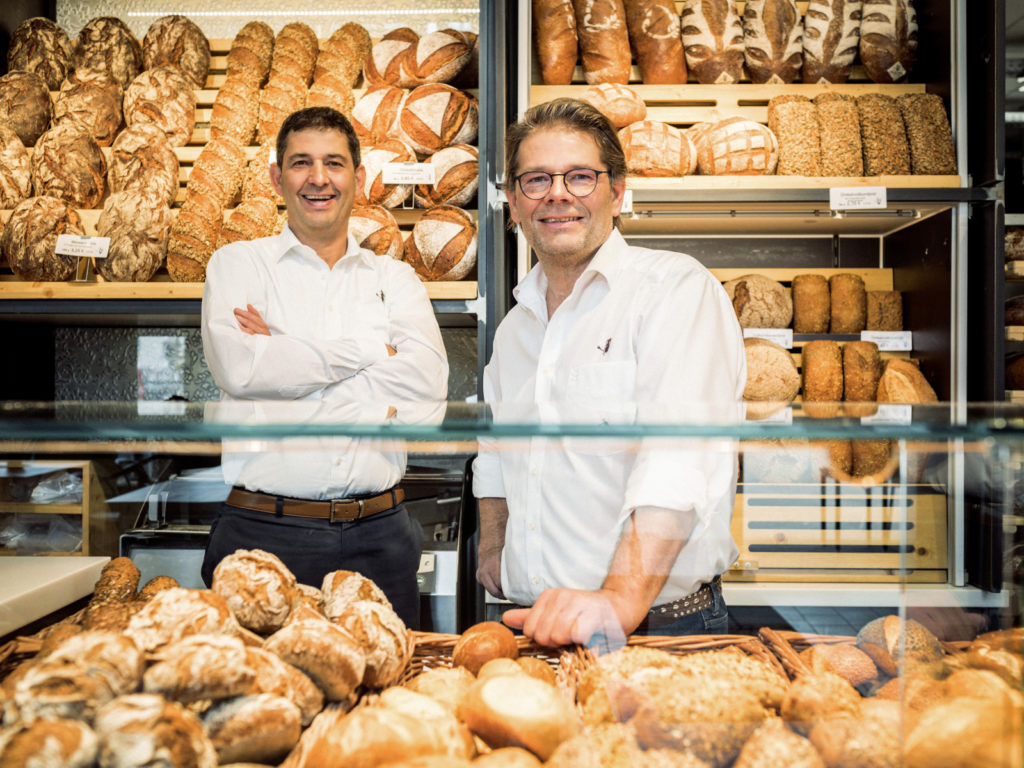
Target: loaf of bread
{"type": "Point", "coordinates": [332, 91]}
{"type": "Point", "coordinates": [554, 33]}
{"type": "Point", "coordinates": [325, 652]}
{"type": "Point", "coordinates": [144, 730]}
{"type": "Point", "coordinates": [155, 586]}
{"type": "Point", "coordinates": [841, 150]}
{"type": "Point", "coordinates": [1013, 313]}
{"type": "Point", "coordinates": [279, 678]}
{"type": "Point", "coordinates": [236, 110]}
{"type": "Point", "coordinates": [885, 311]}
{"type": "Point", "coordinates": [25, 105]}
{"type": "Point", "coordinates": [738, 147]}
{"type": "Point", "coordinates": [820, 697]}
{"type": "Point", "coordinates": [823, 372]}
{"type": "Point", "coordinates": [456, 177]}
{"type": "Point", "coordinates": [603, 41]}
{"type": "Point", "coordinates": [903, 382]}
{"type": "Point", "coordinates": [437, 116]}
{"type": "Point", "coordinates": [773, 37]}
{"type": "Point", "coordinates": [375, 115]}
{"type": "Point", "coordinates": [251, 53]}
{"type": "Point", "coordinates": [15, 170]}
{"type": "Point", "coordinates": [831, 39]}
{"type": "Point", "coordinates": [251, 220]}
{"type": "Point", "coordinates": [141, 159]}
{"type": "Point", "coordinates": [483, 642]}
{"type": "Point", "coordinates": [1014, 243]}
{"type": "Point", "coordinates": [375, 229]}
{"type": "Point", "coordinates": [883, 136]}
{"type": "Point", "coordinates": [847, 661]}
{"type": "Point", "coordinates": [812, 308]}
{"type": "Point", "coordinates": [772, 375]}
{"type": "Point", "coordinates": [194, 236]}
{"type": "Point", "coordinates": [713, 41]}
{"type": "Point", "coordinates": [177, 613]}
{"type": "Point", "coordinates": [447, 686]}
{"type": "Point", "coordinates": [107, 43]}
{"type": "Point", "coordinates": [760, 302]}
{"type": "Point", "coordinates": [459, 742]}
{"type": "Point", "coordinates": [795, 124]}
{"type": "Point", "coordinates": [175, 41]}
{"type": "Point", "coordinates": [375, 191]}
{"type": "Point", "coordinates": [295, 51]}
{"type": "Point", "coordinates": [218, 170]}
{"type": "Point", "coordinates": [164, 97]}
{"type": "Point", "coordinates": [283, 95]}
{"type": "Point", "coordinates": [200, 667]}
{"type": "Point", "coordinates": [257, 586]}
{"type": "Point", "coordinates": [775, 739]}
{"type": "Point", "coordinates": [138, 224]}
{"type": "Point", "coordinates": [261, 728]}
{"type": "Point", "coordinates": [862, 369]}
{"type": "Point", "coordinates": [658, 150]}
{"type": "Point", "coordinates": [256, 182]}
{"type": "Point", "coordinates": [59, 742]}
{"type": "Point", "coordinates": [343, 588]}
{"type": "Point", "coordinates": [888, 40]}
{"type": "Point", "coordinates": [110, 617]}
{"type": "Point", "coordinates": [30, 239]}
{"type": "Point", "coordinates": [111, 659]}
{"type": "Point", "coordinates": [618, 103]}
{"type": "Point", "coordinates": [383, 637]}
{"type": "Point", "coordinates": [40, 46]}
{"type": "Point", "coordinates": [389, 61]}
{"type": "Point", "coordinates": [849, 304]}
{"type": "Point", "coordinates": [69, 165]}
{"type": "Point", "coordinates": [655, 36]}
{"type": "Point", "coordinates": [342, 55]}
{"type": "Point", "coordinates": [92, 99]}
{"type": "Point", "coordinates": [932, 152]}
{"type": "Point", "coordinates": [1014, 372]}
{"type": "Point", "coordinates": [442, 245]}
{"type": "Point", "coordinates": [438, 57]}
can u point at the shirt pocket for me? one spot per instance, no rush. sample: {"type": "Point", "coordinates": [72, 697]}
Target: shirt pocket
{"type": "Point", "coordinates": [600, 394]}
{"type": "Point", "coordinates": [372, 314]}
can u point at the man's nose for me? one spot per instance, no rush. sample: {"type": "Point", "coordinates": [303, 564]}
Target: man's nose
{"type": "Point", "coordinates": [558, 190]}
{"type": "Point", "coordinates": [318, 174]}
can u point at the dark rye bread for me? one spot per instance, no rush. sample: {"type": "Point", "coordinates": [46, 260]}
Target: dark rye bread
{"type": "Point", "coordinates": [68, 164]}
{"type": "Point", "coordinates": [164, 97]}
{"type": "Point", "coordinates": [138, 223]}
{"type": "Point", "coordinates": [42, 47]}
{"type": "Point", "coordinates": [107, 43]}
{"type": "Point", "coordinates": [175, 41]}
{"type": "Point", "coordinates": [25, 105]}
{"type": "Point", "coordinates": [142, 159]}
{"type": "Point", "coordinates": [92, 98]}
{"type": "Point", "coordinates": [30, 238]}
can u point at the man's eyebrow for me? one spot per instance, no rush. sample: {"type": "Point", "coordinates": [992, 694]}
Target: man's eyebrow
{"type": "Point", "coordinates": [307, 156]}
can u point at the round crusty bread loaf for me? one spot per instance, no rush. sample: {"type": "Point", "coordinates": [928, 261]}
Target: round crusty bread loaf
{"type": "Point", "coordinates": [138, 224]}
{"type": "Point", "coordinates": [738, 147]}
{"type": "Point", "coordinates": [251, 220]}
{"type": "Point", "coordinates": [219, 169]}
{"type": "Point", "coordinates": [177, 613]}
{"type": "Point", "coordinates": [260, 729]}
{"type": "Point", "coordinates": [30, 238]}
{"type": "Point", "coordinates": [622, 105]}
{"type": "Point", "coordinates": [69, 165]}
{"type": "Point", "coordinates": [847, 661]}
{"type": "Point", "coordinates": [447, 686]}
{"type": "Point", "coordinates": [442, 245]}
{"type": "Point", "coordinates": [812, 305]}
{"type": "Point", "coordinates": [142, 159]}
{"type": "Point", "coordinates": [256, 182]}
{"type": "Point", "coordinates": [311, 597]}
{"type": "Point", "coordinates": [91, 98]}
{"type": "Point", "coordinates": [436, 116]}
{"type": "Point", "coordinates": [390, 60]}
{"type": "Point", "coordinates": [200, 667]}
{"type": "Point", "coordinates": [164, 97]}
{"type": "Point", "coordinates": [149, 729]}
{"type": "Point", "coordinates": [772, 374]}
{"type": "Point", "coordinates": [375, 191]}
{"type": "Point", "coordinates": [58, 742]}
{"type": "Point", "coordinates": [456, 177]}
{"type": "Point", "coordinates": [40, 46]}
{"type": "Point", "coordinates": [484, 642]}
{"type": "Point", "coordinates": [438, 57]}
{"type": "Point", "coordinates": [325, 652]}
{"type": "Point", "coordinates": [251, 53]}
{"type": "Point", "coordinates": [273, 675]}
{"type": "Point", "coordinates": [343, 588]}
{"type": "Point", "coordinates": [25, 105]}
{"type": "Point", "coordinates": [332, 91]}
{"type": "Point", "coordinates": [257, 586]}
{"type": "Point", "coordinates": [15, 170]}
{"type": "Point", "coordinates": [384, 640]}
{"type": "Point", "coordinates": [107, 43]}
{"type": "Point", "coordinates": [760, 302]}
{"type": "Point", "coordinates": [236, 110]}
{"type": "Point", "coordinates": [175, 41]}
{"type": "Point", "coordinates": [375, 115]}
{"type": "Point", "coordinates": [111, 658]}
{"type": "Point", "coordinates": [657, 149]}
{"type": "Point", "coordinates": [903, 382]}
{"type": "Point", "coordinates": [819, 697]}
{"type": "Point", "coordinates": [375, 229]}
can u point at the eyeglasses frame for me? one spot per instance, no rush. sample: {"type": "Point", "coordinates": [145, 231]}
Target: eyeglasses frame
{"type": "Point", "coordinates": [519, 180]}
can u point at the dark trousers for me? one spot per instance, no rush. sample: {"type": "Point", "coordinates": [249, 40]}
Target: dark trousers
{"type": "Point", "coordinates": [384, 547]}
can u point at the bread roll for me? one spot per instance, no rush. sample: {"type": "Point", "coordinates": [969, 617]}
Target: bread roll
{"type": "Point", "coordinates": [139, 226]}
{"type": "Point", "coordinates": [200, 667]}
{"type": "Point", "coordinates": [554, 29]}
{"type": "Point", "coordinates": [603, 41]}
{"type": "Point", "coordinates": [107, 43]}
{"type": "Point", "coordinates": [343, 588]}
{"type": "Point", "coordinates": [483, 642]}
{"type": "Point", "coordinates": [888, 641]}
{"type": "Point", "coordinates": [279, 678]}
{"type": "Point", "coordinates": [261, 728]}
{"type": "Point", "coordinates": [155, 586]}
{"type": "Point", "coordinates": [883, 136]}
{"type": "Point", "coordinates": [331, 658]}
{"type": "Point", "coordinates": [774, 743]}
{"type": "Point", "coordinates": [142, 159]}
{"type": "Point", "coordinates": [862, 369]}
{"type": "Point", "coordinates": [30, 237]}
{"type": "Point", "coordinates": [437, 116]}
{"type": "Point", "coordinates": [41, 47]}
{"type": "Point", "coordinates": [849, 303]}
{"type": "Point", "coordinates": [236, 110]}
{"type": "Point", "coordinates": [738, 147]}
{"type": "Point", "coordinates": [831, 39]}
{"type": "Point", "coordinates": [864, 741]}
{"type": "Point", "coordinates": [819, 697]}
{"type": "Point", "coordinates": [823, 372]}
{"type": "Point", "coordinates": [251, 53]}
{"type": "Point", "coordinates": [383, 637]}
{"type": "Point", "coordinates": [375, 115]}
{"type": "Point", "coordinates": [25, 105]}
{"type": "Point", "coordinates": [256, 585]}
{"type": "Point", "coordinates": [58, 742]}
{"type": "Point", "coordinates": [92, 99]}
{"type": "Point", "coordinates": [442, 245]}
{"type": "Point", "coordinates": [812, 306]}
{"type": "Point", "coordinates": [143, 730]}
{"type": "Point", "coordinates": [456, 737]}
{"type": "Point", "coordinates": [111, 659]}
{"type": "Point", "coordinates": [447, 686]}
{"type": "Point", "coordinates": [69, 165]}
{"type": "Point", "coordinates": [177, 613]}
{"type": "Point", "coordinates": [795, 125]}
{"type": "Point", "coordinates": [903, 382]}
{"type": "Point", "coordinates": [388, 61]}
{"type": "Point", "coordinates": [500, 666]}
{"type": "Point", "coordinates": [885, 311]}
{"type": "Point", "coordinates": [929, 134]}
{"type": "Point", "coordinates": [847, 661]}
{"type": "Point", "coordinates": [773, 37]}
{"type": "Point", "coordinates": [456, 177]}
{"type": "Point", "coordinates": [439, 56]}
{"type": "Point", "coordinates": [537, 668]}
{"type": "Point", "coordinates": [760, 302]}
{"type": "Point", "coordinates": [175, 41]}
{"type": "Point", "coordinates": [15, 170]}
{"type": "Point", "coordinates": [713, 41]}
{"type": "Point", "coordinates": [507, 757]}
{"type": "Point", "coordinates": [164, 97]}
{"type": "Point", "coordinates": [256, 182]}
{"type": "Point", "coordinates": [657, 149]}
{"type": "Point", "coordinates": [618, 103]}
{"type": "Point", "coordinates": [841, 150]}
{"type": "Point", "coordinates": [772, 374]}
{"type": "Point", "coordinates": [888, 40]}
{"type": "Point", "coordinates": [655, 35]}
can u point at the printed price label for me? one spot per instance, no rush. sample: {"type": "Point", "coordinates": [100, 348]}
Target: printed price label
{"type": "Point", "coordinates": [83, 246]}
{"type": "Point", "coordinates": [781, 336]}
{"type": "Point", "coordinates": [408, 173]}
{"type": "Point", "coordinates": [627, 201]}
{"type": "Point", "coordinates": [890, 413]}
{"type": "Point", "coordinates": [426, 563]}
{"type": "Point", "coordinates": [889, 341]}
{"type": "Point", "coordinates": [857, 198]}
{"type": "Point", "coordinates": [783, 417]}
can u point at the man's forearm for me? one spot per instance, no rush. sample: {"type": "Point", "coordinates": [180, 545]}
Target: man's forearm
{"type": "Point", "coordinates": [493, 518]}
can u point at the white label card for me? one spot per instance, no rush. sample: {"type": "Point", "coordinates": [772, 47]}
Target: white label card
{"type": "Point", "coordinates": [857, 198]}
{"type": "Point", "coordinates": [890, 413]}
{"type": "Point", "coordinates": [782, 417]}
{"type": "Point", "coordinates": [408, 173]}
{"type": "Point", "coordinates": [83, 246]}
{"type": "Point", "coordinates": [627, 201]}
{"type": "Point", "coordinates": [890, 341]}
{"type": "Point", "coordinates": [427, 563]}
{"type": "Point", "coordinates": [781, 336]}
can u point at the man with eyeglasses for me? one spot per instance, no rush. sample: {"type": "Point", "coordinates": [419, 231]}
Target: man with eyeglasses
{"type": "Point", "coordinates": [603, 538]}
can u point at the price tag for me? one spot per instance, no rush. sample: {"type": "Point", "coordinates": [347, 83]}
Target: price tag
{"type": "Point", "coordinates": [627, 201]}
{"type": "Point", "coordinates": [890, 413]}
{"type": "Point", "coordinates": [889, 341]}
{"type": "Point", "coordinates": [783, 417]}
{"type": "Point", "coordinates": [83, 246]}
{"type": "Point", "coordinates": [781, 336]}
{"type": "Point", "coordinates": [857, 198]}
{"type": "Point", "coordinates": [427, 563]}
{"type": "Point", "coordinates": [408, 173]}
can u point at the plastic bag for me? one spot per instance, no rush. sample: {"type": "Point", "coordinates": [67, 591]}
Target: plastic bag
{"type": "Point", "coordinates": [35, 534]}
{"type": "Point", "coordinates": [62, 488]}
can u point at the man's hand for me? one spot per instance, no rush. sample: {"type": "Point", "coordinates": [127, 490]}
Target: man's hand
{"type": "Point", "coordinates": [391, 350]}
{"type": "Point", "coordinates": [250, 321]}
{"type": "Point", "coordinates": [489, 572]}
{"type": "Point", "coordinates": [563, 616]}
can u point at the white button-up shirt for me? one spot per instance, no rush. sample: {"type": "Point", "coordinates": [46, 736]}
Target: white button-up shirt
{"type": "Point", "coordinates": [644, 336]}
{"type": "Point", "coordinates": [329, 328]}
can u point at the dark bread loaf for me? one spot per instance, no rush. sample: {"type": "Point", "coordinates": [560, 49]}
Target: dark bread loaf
{"type": "Point", "coordinates": [888, 40]}
{"type": "Point", "coordinates": [437, 250]}
{"type": "Point", "coordinates": [15, 169]}
{"type": "Point", "coordinates": [1014, 375]}
{"type": "Point", "coordinates": [929, 134]}
{"type": "Point", "coordinates": [25, 105]}
{"type": "Point", "coordinates": [30, 237]}
{"type": "Point", "coordinates": [885, 311]}
{"type": "Point", "coordinates": [91, 98]}
{"type": "Point", "coordinates": [164, 97]}
{"type": "Point", "coordinates": [68, 164]}
{"type": "Point", "coordinates": [1014, 311]}
{"type": "Point", "coordinates": [883, 136]}
{"type": "Point", "coordinates": [554, 30]}
{"type": "Point", "coordinates": [107, 43]}
{"type": "Point", "coordinates": [654, 33]}
{"type": "Point", "coordinates": [773, 37]}
{"type": "Point", "coordinates": [1014, 243]}
{"type": "Point", "coordinates": [40, 46]}
{"type": "Point", "coordinates": [138, 224]}
{"type": "Point", "coordinates": [713, 40]}
{"type": "Point", "coordinates": [603, 41]}
{"type": "Point", "coordinates": [251, 53]}
{"type": "Point", "coordinates": [175, 41]}
{"type": "Point", "coordinates": [142, 159]}
{"type": "Point", "coordinates": [831, 39]}
{"type": "Point", "coordinates": [456, 177]}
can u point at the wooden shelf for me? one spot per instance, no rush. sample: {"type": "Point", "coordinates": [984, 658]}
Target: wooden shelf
{"type": "Point", "coordinates": [1015, 333]}
{"type": "Point", "coordinates": [1015, 396]}
{"type": "Point", "coordinates": [1014, 271]}
{"type": "Point", "coordinates": [22, 507]}
{"type": "Point", "coordinates": [746, 183]}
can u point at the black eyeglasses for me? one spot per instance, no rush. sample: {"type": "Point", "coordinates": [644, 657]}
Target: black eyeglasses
{"type": "Point", "coordinates": [579, 182]}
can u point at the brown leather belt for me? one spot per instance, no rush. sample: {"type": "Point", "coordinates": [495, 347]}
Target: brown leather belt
{"type": "Point", "coordinates": [335, 510]}
{"type": "Point", "coordinates": [702, 599]}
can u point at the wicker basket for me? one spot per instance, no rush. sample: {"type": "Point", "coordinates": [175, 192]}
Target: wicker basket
{"type": "Point", "coordinates": [21, 649]}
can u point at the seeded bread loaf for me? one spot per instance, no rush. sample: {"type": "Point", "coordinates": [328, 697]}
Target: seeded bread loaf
{"type": "Point", "coordinates": [928, 133]}
{"type": "Point", "coordinates": [812, 307]}
{"type": "Point", "coordinates": [823, 372]}
{"type": "Point", "coordinates": [251, 220]}
{"type": "Point", "coordinates": [236, 110]}
{"type": "Point", "coordinates": [849, 304]}
{"type": "Point", "coordinates": [251, 53]}
{"type": "Point", "coordinates": [342, 55]}
{"type": "Point", "coordinates": [841, 149]}
{"type": "Point", "coordinates": [795, 124]}
{"type": "Point", "coordinates": [885, 311]}
{"type": "Point", "coordinates": [256, 182]}
{"type": "Point", "coordinates": [883, 136]}
{"type": "Point", "coordinates": [194, 236]}
{"type": "Point", "coordinates": [862, 369]}
{"type": "Point", "coordinates": [40, 46]}
{"type": "Point", "coordinates": [218, 170]}
{"type": "Point", "coordinates": [155, 586]}
{"type": "Point", "coordinates": [175, 41]}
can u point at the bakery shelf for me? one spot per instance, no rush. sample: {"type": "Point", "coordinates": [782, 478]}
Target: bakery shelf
{"type": "Point", "coordinates": [1015, 396]}
{"type": "Point", "coordinates": [1015, 333]}
{"type": "Point", "coordinates": [1014, 271]}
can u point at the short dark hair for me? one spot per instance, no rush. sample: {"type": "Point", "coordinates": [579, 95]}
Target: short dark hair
{"type": "Point", "coordinates": [318, 119]}
{"type": "Point", "coordinates": [571, 115]}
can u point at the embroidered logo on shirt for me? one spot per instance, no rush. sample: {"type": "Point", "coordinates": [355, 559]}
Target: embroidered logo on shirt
{"type": "Point", "coordinates": [604, 349]}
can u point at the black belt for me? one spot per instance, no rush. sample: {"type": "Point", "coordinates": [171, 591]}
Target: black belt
{"type": "Point", "coordinates": [334, 510]}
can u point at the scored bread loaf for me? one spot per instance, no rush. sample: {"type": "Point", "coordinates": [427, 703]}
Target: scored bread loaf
{"type": "Point", "coordinates": [618, 103]}
{"type": "Point", "coordinates": [849, 303]}
{"type": "Point", "coordinates": [25, 105]}
{"type": "Point", "coordinates": [323, 651]}
{"type": "Point", "coordinates": [146, 727]}
{"type": "Point", "coordinates": [442, 245]}
{"type": "Point", "coordinates": [200, 667]}
{"type": "Point", "coordinates": [59, 742]}
{"type": "Point", "coordinates": [194, 236]}
{"type": "Point", "coordinates": [932, 152]}
{"type": "Point", "coordinates": [177, 613]}
{"type": "Point", "coordinates": [375, 191]}
{"type": "Point", "coordinates": [251, 220]}
{"type": "Point", "coordinates": [554, 30]}
{"type": "Point", "coordinates": [469, 77]}
{"type": "Point", "coordinates": [760, 302]}
{"type": "Point", "coordinates": [15, 170]}
{"type": "Point", "coordinates": [383, 637]}
{"type": "Point", "coordinates": [885, 311]}
{"type": "Point", "coordinates": [106, 42]}
{"type": "Point", "coordinates": [862, 369]}
{"type": "Point", "coordinates": [388, 62]}
{"type": "Point", "coordinates": [155, 586]}
{"type": "Point", "coordinates": [251, 53]}
{"type": "Point", "coordinates": [342, 55]}
{"type": "Point", "coordinates": [68, 164]}
{"type": "Point", "coordinates": [773, 37]}
{"type": "Point", "coordinates": [257, 586]}
{"type": "Point", "coordinates": [888, 40]}
{"type": "Point", "coordinates": [436, 116]}
{"type": "Point", "coordinates": [256, 182]}
{"type": "Point", "coordinates": [456, 177]}
{"type": "Point", "coordinates": [375, 115]}
{"type": "Point", "coordinates": [260, 728]}
{"type": "Point", "coordinates": [655, 35]}
{"type": "Point", "coordinates": [903, 382]}
{"type": "Point", "coordinates": [142, 159]}
{"type": "Point", "coordinates": [164, 97]}
{"type": "Point", "coordinates": [138, 223]}
{"type": "Point", "coordinates": [175, 41]}
{"type": "Point", "coordinates": [375, 229]}
{"type": "Point", "coordinates": [332, 91]}
{"type": "Point", "coordinates": [831, 39]}
{"type": "Point", "coordinates": [812, 307]}
{"type": "Point", "coordinates": [91, 98]}
{"type": "Point", "coordinates": [839, 122]}
{"type": "Point", "coordinates": [295, 51]}
{"type": "Point", "coordinates": [657, 149]}
{"type": "Point", "coordinates": [772, 375]}
{"type": "Point", "coordinates": [277, 677]}
{"type": "Point", "coordinates": [823, 372]}
{"type": "Point", "coordinates": [236, 110]}
{"type": "Point", "coordinates": [713, 41]}
{"type": "Point", "coordinates": [40, 46]}
{"type": "Point", "coordinates": [438, 57]}
{"type": "Point", "coordinates": [795, 124]}
{"type": "Point", "coordinates": [738, 147]}
{"type": "Point", "coordinates": [603, 41]}
{"type": "Point", "coordinates": [883, 136]}
{"type": "Point", "coordinates": [342, 588]}
{"type": "Point", "coordinates": [218, 170]}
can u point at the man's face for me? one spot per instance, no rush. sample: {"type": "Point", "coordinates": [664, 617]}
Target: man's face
{"type": "Point", "coordinates": [562, 228]}
{"type": "Point", "coordinates": [318, 181]}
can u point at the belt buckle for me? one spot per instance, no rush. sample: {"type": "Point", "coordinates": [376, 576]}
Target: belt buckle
{"type": "Point", "coordinates": [346, 501]}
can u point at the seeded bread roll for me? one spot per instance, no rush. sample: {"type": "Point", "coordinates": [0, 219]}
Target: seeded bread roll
{"type": "Point", "coordinates": [885, 311]}
{"type": "Point", "coordinates": [760, 302]}
{"type": "Point", "coordinates": [275, 676]}
{"type": "Point", "coordinates": [849, 304]}
{"type": "Point", "coordinates": [773, 37]}
{"type": "Point", "coordinates": [141, 159]}
{"type": "Point", "coordinates": [175, 41]}
{"type": "Point", "coordinates": [107, 43]}
{"type": "Point", "coordinates": [456, 177]}
{"type": "Point", "coordinates": [841, 149]}
{"type": "Point", "coordinates": [322, 650]}
{"type": "Point", "coordinates": [883, 136]}
{"type": "Point", "coordinates": [812, 306]}
{"type": "Point", "coordinates": [257, 177]}
{"type": "Point", "coordinates": [261, 728]}
{"type": "Point", "coordinates": [92, 99]}
{"type": "Point", "coordinates": [383, 638]}
{"type": "Point", "coordinates": [251, 220]}
{"type": "Point", "coordinates": [929, 134]}
{"type": "Point", "coordinates": [332, 91]}
{"type": "Point", "coordinates": [177, 613]}
{"type": "Point", "coordinates": [903, 382]}
{"type": "Point", "coordinates": [823, 372]}
{"type": "Point", "coordinates": [657, 150]}
{"type": "Point", "coordinates": [138, 224]}
{"type": "Point", "coordinates": [155, 586]}
{"type": "Point", "coordinates": [251, 53]}
{"type": "Point", "coordinates": [25, 105]}
{"type": "Point", "coordinates": [15, 170]}
{"type": "Point", "coordinates": [143, 730]}
{"type": "Point", "coordinates": [795, 125]}
{"type": "Point", "coordinates": [194, 236]}
{"type": "Point", "coordinates": [30, 238]}
{"type": "Point", "coordinates": [68, 164]}
{"type": "Point", "coordinates": [443, 244]}
{"type": "Point", "coordinates": [164, 97]}
{"type": "Point", "coordinates": [257, 586]}
{"type": "Point", "coordinates": [236, 110]}
{"type": "Point", "coordinates": [43, 48]}
{"type": "Point", "coordinates": [375, 229]}
{"type": "Point", "coordinates": [200, 667]}
{"type": "Point", "coordinates": [772, 374]}
{"type": "Point", "coordinates": [862, 369]}
{"type": "Point", "coordinates": [60, 742]}
{"type": "Point", "coordinates": [554, 29]}
{"type": "Point", "coordinates": [603, 41]}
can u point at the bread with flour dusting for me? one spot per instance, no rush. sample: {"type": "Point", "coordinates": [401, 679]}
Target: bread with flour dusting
{"type": "Point", "coordinates": [375, 229]}
{"type": "Point", "coordinates": [177, 613]}
{"type": "Point", "coordinates": [257, 586]}
{"type": "Point", "coordinates": [436, 116]}
{"type": "Point", "coordinates": [375, 191]}
{"type": "Point", "coordinates": [143, 729]}
{"type": "Point", "coordinates": [654, 32]}
{"type": "Point", "coordinates": [342, 588]}
{"type": "Point", "coordinates": [15, 170]}
{"type": "Point", "coordinates": [261, 728]}
{"type": "Point", "coordinates": [276, 676]}
{"type": "Point", "coordinates": [603, 41]}
{"type": "Point", "coordinates": [888, 40]}
{"type": "Point", "coordinates": [554, 29]}
{"type": "Point", "coordinates": [325, 652]}
{"type": "Point", "coordinates": [773, 37]}
{"type": "Point", "coordinates": [60, 743]}
{"type": "Point", "coordinates": [713, 40]}
{"type": "Point", "coordinates": [383, 637]}
{"type": "Point", "coordinates": [201, 667]}
{"type": "Point", "coordinates": [456, 177]}
{"type": "Point", "coordinates": [375, 115]}
{"type": "Point", "coordinates": [831, 39]}
{"type": "Point", "coordinates": [442, 245]}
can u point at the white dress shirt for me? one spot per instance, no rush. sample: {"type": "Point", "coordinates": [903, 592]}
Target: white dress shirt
{"type": "Point", "coordinates": [644, 336]}
{"type": "Point", "coordinates": [329, 328]}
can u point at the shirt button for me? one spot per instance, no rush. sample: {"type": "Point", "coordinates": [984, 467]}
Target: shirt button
{"type": "Point", "coordinates": [536, 580]}
{"type": "Point", "coordinates": [534, 472]}
{"type": "Point", "coordinates": [533, 527]}
{"type": "Point", "coordinates": [547, 369]}
{"type": "Point", "coordinates": [330, 307]}
{"type": "Point", "coordinates": [338, 462]}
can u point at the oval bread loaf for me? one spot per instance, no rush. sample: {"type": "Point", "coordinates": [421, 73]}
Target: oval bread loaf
{"type": "Point", "coordinates": [554, 29]}
{"type": "Point", "coordinates": [888, 40]}
{"type": "Point", "coordinates": [738, 147]}
{"type": "Point", "coordinates": [164, 97]}
{"type": "Point", "coordinates": [175, 41]}
{"type": "Point", "coordinates": [30, 239]}
{"type": "Point", "coordinates": [772, 374]}
{"type": "Point", "coordinates": [142, 159]}
{"type": "Point", "coordinates": [823, 372]}
{"type": "Point", "coordinates": [251, 220]}
{"type": "Point", "coordinates": [139, 225]}
{"type": "Point", "coordinates": [375, 116]}
{"type": "Point", "coordinates": [236, 110]}
{"type": "Point", "coordinates": [343, 588]}
{"type": "Point", "coordinates": [177, 613]}
{"type": "Point", "coordinates": [442, 245]}
{"type": "Point", "coordinates": [384, 640]}
{"type": "Point", "coordinates": [200, 667]}
{"type": "Point", "coordinates": [251, 53]}
{"type": "Point", "coordinates": [831, 39]}
{"type": "Point", "coordinates": [456, 177]}
{"type": "Point", "coordinates": [325, 652]}
{"type": "Point", "coordinates": [622, 105]}
{"type": "Point", "coordinates": [603, 41]}
{"type": "Point", "coordinates": [712, 41]}
{"type": "Point", "coordinates": [274, 675]}
{"type": "Point", "coordinates": [15, 170]}
{"type": "Point", "coordinates": [773, 37]}
{"type": "Point", "coordinates": [903, 382]}
{"type": "Point", "coordinates": [107, 43]}
{"type": "Point", "coordinates": [43, 48]}
{"type": "Point", "coordinates": [68, 164]}
{"type": "Point", "coordinates": [375, 191]}
{"type": "Point", "coordinates": [658, 150]}
{"type": "Point", "coordinates": [387, 63]}
{"type": "Point", "coordinates": [655, 35]}
{"type": "Point", "coordinates": [25, 105]}
{"type": "Point", "coordinates": [256, 182]}
{"type": "Point", "coordinates": [260, 728]}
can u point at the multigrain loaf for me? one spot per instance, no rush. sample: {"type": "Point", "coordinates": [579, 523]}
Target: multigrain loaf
{"type": "Point", "coordinates": [155, 586]}
{"type": "Point", "coordinates": [250, 220]}
{"type": "Point", "coordinates": [885, 311]}
{"type": "Point", "coordinates": [164, 97]}
{"type": "Point", "coordinates": [332, 91]}
{"type": "Point", "coordinates": [773, 36]}
{"type": "Point", "coordinates": [658, 150]}
{"type": "Point", "coordinates": [603, 41]}
{"type": "Point", "coordinates": [760, 302]}
{"type": "Point", "coordinates": [928, 133]}
{"type": "Point", "coordinates": [655, 36]}
{"type": "Point", "coordinates": [839, 122]}
{"type": "Point", "coordinates": [812, 307]}
{"type": "Point", "coordinates": [175, 41]}
{"type": "Point", "coordinates": [42, 47]}
{"type": "Point", "coordinates": [823, 372]}
{"type": "Point", "coordinates": [622, 105]}
{"type": "Point", "coordinates": [554, 30]}
{"type": "Point", "coordinates": [713, 41]}
{"type": "Point", "coordinates": [256, 585]}
{"type": "Point", "coordinates": [29, 239]}
{"type": "Point", "coordinates": [251, 53]}
{"type": "Point", "coordinates": [25, 105]}
{"type": "Point", "coordinates": [69, 165]}
{"type": "Point", "coordinates": [92, 98]}
{"type": "Point", "coordinates": [236, 110]}
{"type": "Point", "coordinates": [278, 100]}
{"type": "Point", "coordinates": [194, 236]}
{"type": "Point", "coordinates": [849, 303]}
{"type": "Point", "coordinates": [138, 224]}
{"type": "Point", "coordinates": [118, 582]}
{"type": "Point", "coordinates": [218, 170]}
{"type": "Point", "coordinates": [772, 374]}
{"type": "Point", "coordinates": [883, 136]}
{"type": "Point", "coordinates": [256, 182]}
{"type": "Point", "coordinates": [443, 244]}
{"type": "Point", "coordinates": [15, 169]}
{"type": "Point", "coordinates": [142, 159]}
{"type": "Point", "coordinates": [862, 369]}
{"type": "Point", "coordinates": [831, 39]}
{"type": "Point", "coordinates": [295, 51]}
{"type": "Point", "coordinates": [343, 53]}
{"type": "Point", "coordinates": [795, 124]}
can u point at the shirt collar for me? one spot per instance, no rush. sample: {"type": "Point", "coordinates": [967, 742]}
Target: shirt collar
{"type": "Point", "coordinates": [288, 242]}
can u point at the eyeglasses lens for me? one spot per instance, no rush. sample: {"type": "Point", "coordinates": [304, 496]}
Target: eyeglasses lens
{"type": "Point", "coordinates": [579, 183]}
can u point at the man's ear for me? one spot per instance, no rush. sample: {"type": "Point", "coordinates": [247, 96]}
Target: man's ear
{"type": "Point", "coordinates": [360, 180]}
{"type": "Point", "coordinates": [618, 196]}
{"type": "Point", "coordinates": [513, 211]}
{"type": "Point", "coordinates": [275, 178]}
